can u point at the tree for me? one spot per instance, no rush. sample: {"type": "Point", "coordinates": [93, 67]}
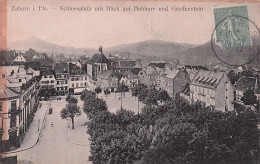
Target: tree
{"type": "Point", "coordinates": [122, 88]}
{"type": "Point", "coordinates": [137, 89]}
{"type": "Point", "coordinates": [107, 91]}
{"type": "Point", "coordinates": [72, 100]}
{"type": "Point", "coordinates": [98, 90]}
{"type": "Point", "coordinates": [249, 98]}
{"type": "Point", "coordinates": [142, 95]}
{"type": "Point", "coordinates": [92, 107]}
{"type": "Point", "coordinates": [68, 97]}
{"type": "Point", "coordinates": [163, 95]}
{"type": "Point", "coordinates": [71, 111]}
{"type": "Point", "coordinates": [151, 97]}
{"type": "Point", "coordinates": [87, 95]}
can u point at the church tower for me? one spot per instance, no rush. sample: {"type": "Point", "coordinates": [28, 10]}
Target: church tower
{"type": "Point", "coordinates": [100, 50]}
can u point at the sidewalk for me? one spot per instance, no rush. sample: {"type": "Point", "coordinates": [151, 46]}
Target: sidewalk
{"type": "Point", "coordinates": [31, 135]}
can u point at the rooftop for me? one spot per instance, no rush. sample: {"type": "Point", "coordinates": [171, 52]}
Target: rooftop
{"type": "Point", "coordinates": [61, 68]}
{"type": "Point", "coordinates": [209, 79]}
{"type": "Point", "coordinates": [245, 83]}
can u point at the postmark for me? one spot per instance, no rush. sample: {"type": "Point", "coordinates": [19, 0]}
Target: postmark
{"type": "Point", "coordinates": [235, 39]}
{"type": "Point", "coordinates": [232, 31]}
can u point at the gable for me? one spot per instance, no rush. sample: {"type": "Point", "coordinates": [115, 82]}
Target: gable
{"type": "Point", "coordinates": [20, 58]}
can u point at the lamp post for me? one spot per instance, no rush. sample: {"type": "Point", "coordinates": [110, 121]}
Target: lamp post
{"type": "Point", "coordinates": [121, 101]}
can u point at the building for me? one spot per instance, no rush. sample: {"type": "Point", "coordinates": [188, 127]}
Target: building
{"type": "Point", "coordinates": [141, 74]}
{"type": "Point", "coordinates": [48, 81]}
{"type": "Point", "coordinates": [123, 65]}
{"type": "Point", "coordinates": [244, 84]}
{"type": "Point", "coordinates": [212, 89]}
{"type": "Point", "coordinates": [62, 73]}
{"type": "Point", "coordinates": [78, 80]}
{"type": "Point", "coordinates": [108, 80]}
{"type": "Point", "coordinates": [173, 81]}
{"type": "Point", "coordinates": [18, 96]}
{"type": "Point", "coordinates": [97, 64]}
{"type": "Point", "coordinates": [19, 58]}
{"type": "Point", "coordinates": [129, 79]}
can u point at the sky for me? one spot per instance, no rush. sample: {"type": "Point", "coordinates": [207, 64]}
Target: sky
{"type": "Point", "coordinates": [89, 29]}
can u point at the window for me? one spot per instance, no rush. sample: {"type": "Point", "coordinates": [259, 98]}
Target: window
{"type": "Point", "coordinates": [1, 123]}
{"type": "Point", "coordinates": [45, 76]}
{"type": "Point", "coordinates": [72, 79]}
{"type": "Point", "coordinates": [81, 84]}
{"type": "Point", "coordinates": [50, 76]}
{"type": "Point", "coordinates": [72, 85]}
{"type": "Point", "coordinates": [13, 121]}
{"type": "Point", "coordinates": [77, 85]}
{"type": "Point", "coordinates": [85, 84]}
{"type": "Point", "coordinates": [13, 105]}
{"type": "Point", "coordinates": [86, 78]}
{"type": "Point", "coordinates": [58, 82]}
{"type": "Point", "coordinates": [58, 88]}
{"type": "Point", "coordinates": [1, 106]}
{"type": "Point", "coordinates": [52, 81]}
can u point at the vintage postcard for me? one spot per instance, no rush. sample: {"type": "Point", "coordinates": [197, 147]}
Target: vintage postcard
{"type": "Point", "coordinates": [129, 82]}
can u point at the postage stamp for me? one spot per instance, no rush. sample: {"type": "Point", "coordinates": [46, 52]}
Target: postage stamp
{"type": "Point", "coordinates": [232, 26]}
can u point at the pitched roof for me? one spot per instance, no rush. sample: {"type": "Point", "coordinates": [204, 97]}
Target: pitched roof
{"type": "Point", "coordinates": [245, 83]}
{"type": "Point", "coordinates": [61, 68]}
{"type": "Point", "coordinates": [136, 70]}
{"type": "Point", "coordinates": [130, 75]}
{"type": "Point", "coordinates": [160, 65]}
{"type": "Point", "coordinates": [7, 92]}
{"type": "Point", "coordinates": [47, 73]}
{"type": "Point", "coordinates": [208, 79]}
{"type": "Point", "coordinates": [46, 62]}
{"type": "Point", "coordinates": [74, 69]}
{"type": "Point", "coordinates": [123, 63]}
{"type": "Point", "coordinates": [99, 58]}
{"type": "Point", "coordinates": [108, 73]}
{"type": "Point", "coordinates": [7, 57]}
{"type": "Point", "coordinates": [172, 73]}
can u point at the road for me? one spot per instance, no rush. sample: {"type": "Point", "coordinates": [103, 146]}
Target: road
{"type": "Point", "coordinates": [54, 147]}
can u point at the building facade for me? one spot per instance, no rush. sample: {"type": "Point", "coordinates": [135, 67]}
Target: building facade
{"type": "Point", "coordinates": [212, 89]}
{"type": "Point", "coordinates": [62, 73]}
{"type": "Point", "coordinates": [173, 81]}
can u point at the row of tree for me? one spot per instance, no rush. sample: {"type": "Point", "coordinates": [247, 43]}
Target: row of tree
{"type": "Point", "coordinates": [169, 131]}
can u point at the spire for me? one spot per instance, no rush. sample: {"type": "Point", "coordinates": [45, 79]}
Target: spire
{"type": "Point", "coordinates": [100, 50]}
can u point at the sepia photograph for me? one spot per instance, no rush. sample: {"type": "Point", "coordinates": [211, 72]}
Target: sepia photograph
{"type": "Point", "coordinates": [129, 82]}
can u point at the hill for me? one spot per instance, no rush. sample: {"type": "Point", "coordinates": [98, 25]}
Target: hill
{"type": "Point", "coordinates": [150, 48]}
{"type": "Point", "coordinates": [204, 55]}
{"type": "Point", "coordinates": [45, 46]}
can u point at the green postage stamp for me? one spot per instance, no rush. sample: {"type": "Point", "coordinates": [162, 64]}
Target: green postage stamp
{"type": "Point", "coordinates": [232, 26]}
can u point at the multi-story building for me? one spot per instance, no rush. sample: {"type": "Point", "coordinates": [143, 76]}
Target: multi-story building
{"type": "Point", "coordinates": [78, 80]}
{"type": "Point", "coordinates": [62, 73]}
{"type": "Point", "coordinates": [108, 80]}
{"type": "Point", "coordinates": [18, 94]}
{"type": "Point", "coordinates": [123, 65]}
{"type": "Point", "coordinates": [48, 81]}
{"type": "Point", "coordinates": [129, 79]}
{"type": "Point", "coordinates": [173, 81]}
{"type": "Point", "coordinates": [141, 74]}
{"type": "Point", "coordinates": [213, 89]}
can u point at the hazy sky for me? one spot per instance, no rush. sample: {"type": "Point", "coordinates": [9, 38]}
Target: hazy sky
{"type": "Point", "coordinates": [108, 28]}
